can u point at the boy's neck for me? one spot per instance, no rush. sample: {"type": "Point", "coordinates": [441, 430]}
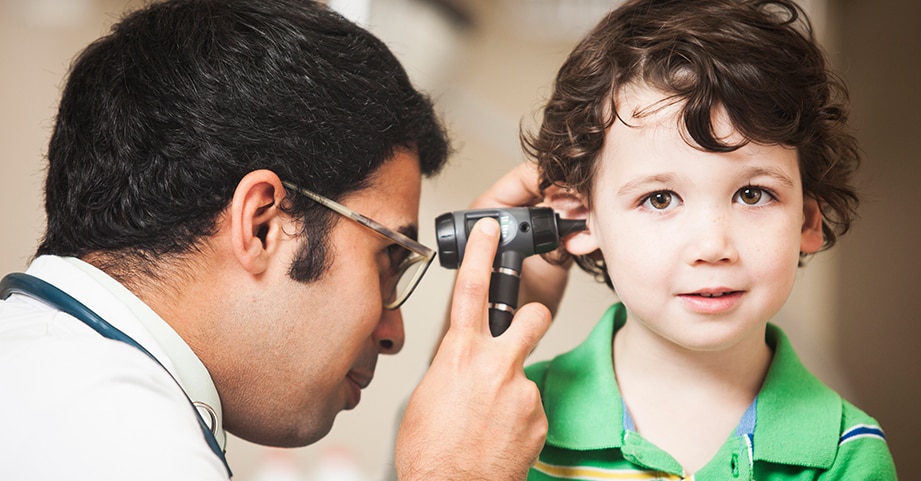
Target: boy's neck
{"type": "Point", "coordinates": [687, 402]}
{"type": "Point", "coordinates": [645, 352]}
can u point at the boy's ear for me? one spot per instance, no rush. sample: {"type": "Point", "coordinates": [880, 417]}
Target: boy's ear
{"type": "Point", "coordinates": [811, 237]}
{"type": "Point", "coordinates": [570, 205]}
{"type": "Point", "coordinates": [256, 222]}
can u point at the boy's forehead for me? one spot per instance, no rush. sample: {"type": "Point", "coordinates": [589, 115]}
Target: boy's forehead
{"type": "Point", "coordinates": [649, 133]}
{"type": "Point", "coordinates": [638, 101]}
{"type": "Point", "coordinates": [640, 105]}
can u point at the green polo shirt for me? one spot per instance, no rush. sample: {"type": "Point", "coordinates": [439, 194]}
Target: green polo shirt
{"type": "Point", "coordinates": [797, 428]}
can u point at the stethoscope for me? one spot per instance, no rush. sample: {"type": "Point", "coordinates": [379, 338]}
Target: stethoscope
{"type": "Point", "coordinates": [38, 289]}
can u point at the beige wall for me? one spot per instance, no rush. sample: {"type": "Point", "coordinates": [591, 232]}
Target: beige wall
{"type": "Point", "coordinates": [852, 310]}
{"type": "Point", "coordinates": [879, 299]}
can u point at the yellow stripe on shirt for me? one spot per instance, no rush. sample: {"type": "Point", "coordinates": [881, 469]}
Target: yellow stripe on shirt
{"type": "Point", "coordinates": [591, 473]}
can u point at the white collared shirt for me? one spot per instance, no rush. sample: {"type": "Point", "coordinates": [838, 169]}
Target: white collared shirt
{"type": "Point", "coordinates": [75, 405]}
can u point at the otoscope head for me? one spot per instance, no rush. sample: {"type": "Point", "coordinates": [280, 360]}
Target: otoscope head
{"type": "Point", "coordinates": [525, 231]}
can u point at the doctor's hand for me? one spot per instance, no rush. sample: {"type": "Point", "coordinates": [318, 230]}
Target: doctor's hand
{"type": "Point", "coordinates": [475, 416]}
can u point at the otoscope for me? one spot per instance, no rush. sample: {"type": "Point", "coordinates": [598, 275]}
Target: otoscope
{"type": "Point", "coordinates": [525, 231]}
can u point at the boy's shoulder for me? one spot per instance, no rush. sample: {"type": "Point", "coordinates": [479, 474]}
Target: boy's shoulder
{"type": "Point", "coordinates": [791, 391]}
{"type": "Point", "coordinates": [862, 447]}
{"type": "Point", "coordinates": [536, 372]}
{"type": "Point", "coordinates": [855, 423]}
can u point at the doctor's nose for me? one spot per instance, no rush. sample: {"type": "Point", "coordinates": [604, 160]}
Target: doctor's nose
{"type": "Point", "coordinates": [389, 335]}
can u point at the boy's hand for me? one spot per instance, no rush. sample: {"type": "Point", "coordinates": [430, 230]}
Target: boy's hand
{"type": "Point", "coordinates": [475, 416]}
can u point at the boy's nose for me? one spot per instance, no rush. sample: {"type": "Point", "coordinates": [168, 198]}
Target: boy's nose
{"type": "Point", "coordinates": [711, 238]}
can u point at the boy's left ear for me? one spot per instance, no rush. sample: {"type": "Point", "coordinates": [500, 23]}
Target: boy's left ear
{"type": "Point", "coordinates": [811, 237]}
{"type": "Point", "coordinates": [570, 205]}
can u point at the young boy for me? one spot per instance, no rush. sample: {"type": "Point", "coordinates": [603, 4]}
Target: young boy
{"type": "Point", "coordinates": [706, 145]}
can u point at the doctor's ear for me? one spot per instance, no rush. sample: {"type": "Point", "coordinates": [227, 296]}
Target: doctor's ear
{"type": "Point", "coordinates": [571, 205]}
{"type": "Point", "coordinates": [256, 222]}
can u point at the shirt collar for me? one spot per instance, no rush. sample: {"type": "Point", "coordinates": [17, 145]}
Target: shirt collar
{"type": "Point", "coordinates": [592, 418]}
{"type": "Point", "coordinates": [798, 417]}
{"type": "Point", "coordinates": [97, 290]}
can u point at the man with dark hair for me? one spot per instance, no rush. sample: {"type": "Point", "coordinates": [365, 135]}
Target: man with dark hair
{"type": "Point", "coordinates": [205, 266]}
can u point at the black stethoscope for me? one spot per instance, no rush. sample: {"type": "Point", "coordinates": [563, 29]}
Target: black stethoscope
{"type": "Point", "coordinates": [38, 289]}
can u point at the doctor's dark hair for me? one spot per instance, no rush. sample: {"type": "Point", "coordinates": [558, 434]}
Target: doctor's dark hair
{"type": "Point", "coordinates": [160, 119]}
{"type": "Point", "coordinates": [757, 59]}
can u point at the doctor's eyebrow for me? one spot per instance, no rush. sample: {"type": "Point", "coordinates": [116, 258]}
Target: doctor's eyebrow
{"type": "Point", "coordinates": [409, 230]}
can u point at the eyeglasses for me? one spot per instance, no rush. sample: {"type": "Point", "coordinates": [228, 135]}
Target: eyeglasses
{"type": "Point", "coordinates": [408, 259]}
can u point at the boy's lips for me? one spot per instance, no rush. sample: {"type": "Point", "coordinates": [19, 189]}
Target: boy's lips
{"type": "Point", "coordinates": [711, 300]}
{"type": "Point", "coordinates": [712, 292]}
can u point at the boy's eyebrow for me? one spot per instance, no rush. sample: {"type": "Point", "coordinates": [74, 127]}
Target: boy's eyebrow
{"type": "Point", "coordinates": [636, 185]}
{"type": "Point", "coordinates": [668, 178]}
{"type": "Point", "coordinates": [774, 173]}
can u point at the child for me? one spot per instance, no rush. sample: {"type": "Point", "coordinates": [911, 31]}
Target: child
{"type": "Point", "coordinates": [706, 144]}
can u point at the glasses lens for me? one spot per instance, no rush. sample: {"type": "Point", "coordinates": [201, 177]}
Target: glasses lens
{"type": "Point", "coordinates": [406, 264]}
{"type": "Point", "coordinates": [398, 284]}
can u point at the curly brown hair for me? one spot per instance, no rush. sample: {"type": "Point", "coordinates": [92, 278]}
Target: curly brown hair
{"type": "Point", "coordinates": [758, 59]}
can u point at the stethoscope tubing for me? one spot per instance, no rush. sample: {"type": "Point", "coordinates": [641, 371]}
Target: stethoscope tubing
{"type": "Point", "coordinates": [36, 288]}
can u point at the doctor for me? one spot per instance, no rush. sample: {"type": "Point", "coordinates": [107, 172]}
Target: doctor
{"type": "Point", "coordinates": [232, 197]}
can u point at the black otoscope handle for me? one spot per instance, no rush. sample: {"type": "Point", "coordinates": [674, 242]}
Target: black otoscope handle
{"type": "Point", "coordinates": [503, 298]}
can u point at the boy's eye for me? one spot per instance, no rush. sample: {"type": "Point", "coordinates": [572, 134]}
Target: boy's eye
{"type": "Point", "coordinates": [661, 200]}
{"type": "Point", "coordinates": [753, 196]}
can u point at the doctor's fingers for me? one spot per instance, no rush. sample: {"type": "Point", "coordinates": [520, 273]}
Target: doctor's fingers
{"type": "Point", "coordinates": [528, 326]}
{"type": "Point", "coordinates": [469, 313]}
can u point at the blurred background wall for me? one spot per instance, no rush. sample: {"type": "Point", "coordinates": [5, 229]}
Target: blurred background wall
{"type": "Point", "coordinates": [489, 64]}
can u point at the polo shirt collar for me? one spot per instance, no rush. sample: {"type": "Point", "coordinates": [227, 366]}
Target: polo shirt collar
{"type": "Point", "coordinates": [581, 397]}
{"type": "Point", "coordinates": [797, 420]}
